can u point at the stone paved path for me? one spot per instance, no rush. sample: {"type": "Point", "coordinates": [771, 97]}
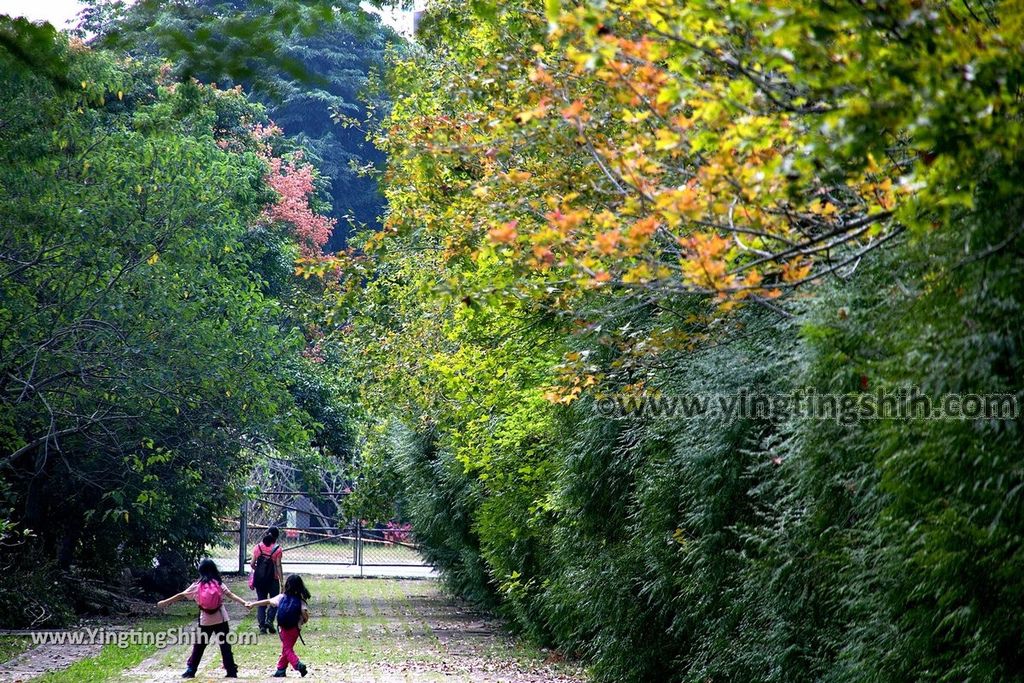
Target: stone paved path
{"type": "Point", "coordinates": [43, 658]}
{"type": "Point", "coordinates": [378, 631]}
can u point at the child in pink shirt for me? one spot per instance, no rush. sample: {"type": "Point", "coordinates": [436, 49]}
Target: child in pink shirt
{"type": "Point", "coordinates": [209, 593]}
{"type": "Point", "coordinates": [266, 576]}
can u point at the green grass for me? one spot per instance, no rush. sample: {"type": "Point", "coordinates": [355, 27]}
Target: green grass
{"type": "Point", "coordinates": [12, 646]}
{"type": "Point", "coordinates": [370, 627]}
{"type": "Point", "coordinates": [112, 660]}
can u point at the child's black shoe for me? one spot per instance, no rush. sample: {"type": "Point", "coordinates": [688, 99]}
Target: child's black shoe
{"type": "Point", "coordinates": [271, 629]}
{"type": "Point", "coordinates": [189, 673]}
{"type": "Point", "coordinates": [280, 673]}
{"type": "Point", "coordinates": [232, 674]}
{"type": "Point", "coordinates": [263, 629]}
{"type": "Point", "coordinates": [301, 668]}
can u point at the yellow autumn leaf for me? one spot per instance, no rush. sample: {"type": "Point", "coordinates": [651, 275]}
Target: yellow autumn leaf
{"type": "Point", "coordinates": [666, 139]}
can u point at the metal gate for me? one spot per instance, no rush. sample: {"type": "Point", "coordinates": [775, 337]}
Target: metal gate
{"type": "Point", "coordinates": [314, 536]}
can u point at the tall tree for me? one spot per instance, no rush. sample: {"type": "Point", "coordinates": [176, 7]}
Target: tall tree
{"type": "Point", "coordinates": [311, 65]}
{"type": "Point", "coordinates": [146, 349]}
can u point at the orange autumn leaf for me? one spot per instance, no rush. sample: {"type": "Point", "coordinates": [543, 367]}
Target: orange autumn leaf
{"type": "Point", "coordinates": [545, 257]}
{"type": "Point", "coordinates": [505, 233]}
{"type": "Point", "coordinates": [565, 221]}
{"type": "Point", "coordinates": [517, 176]}
{"type": "Point", "coordinates": [538, 112]}
{"type": "Point", "coordinates": [540, 76]}
{"type": "Point", "coordinates": [753, 279]}
{"type": "Point", "coordinates": [794, 271]}
{"type": "Point", "coordinates": [608, 242]}
{"type": "Point", "coordinates": [705, 245]}
{"type": "Point", "coordinates": [573, 111]}
{"type": "Point", "coordinates": [641, 231]}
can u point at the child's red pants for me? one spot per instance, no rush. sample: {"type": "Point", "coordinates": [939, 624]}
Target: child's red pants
{"type": "Point", "coordinates": [288, 656]}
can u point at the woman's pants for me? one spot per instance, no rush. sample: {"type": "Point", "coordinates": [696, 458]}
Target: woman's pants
{"type": "Point", "coordinates": [265, 615]}
{"type": "Point", "coordinates": [213, 634]}
{"type": "Point", "coordinates": [288, 656]}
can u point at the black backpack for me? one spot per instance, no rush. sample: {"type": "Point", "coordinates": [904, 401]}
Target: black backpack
{"type": "Point", "coordinates": [263, 574]}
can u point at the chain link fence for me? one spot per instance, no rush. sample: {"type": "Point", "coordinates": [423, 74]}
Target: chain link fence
{"type": "Point", "coordinates": [313, 532]}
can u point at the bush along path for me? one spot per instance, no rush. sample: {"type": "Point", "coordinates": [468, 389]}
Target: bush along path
{"type": "Point", "coordinates": [374, 631]}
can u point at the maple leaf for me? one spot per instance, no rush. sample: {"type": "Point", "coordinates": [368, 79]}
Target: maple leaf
{"type": "Point", "coordinates": [608, 242]}
{"type": "Point", "coordinates": [639, 233]}
{"type": "Point", "coordinates": [573, 111]}
{"type": "Point", "coordinates": [505, 233]}
{"type": "Point", "coordinates": [794, 271]}
{"type": "Point", "coordinates": [544, 256]}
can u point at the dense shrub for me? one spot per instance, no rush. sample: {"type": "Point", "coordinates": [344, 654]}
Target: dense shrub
{"type": "Point", "coordinates": [794, 549]}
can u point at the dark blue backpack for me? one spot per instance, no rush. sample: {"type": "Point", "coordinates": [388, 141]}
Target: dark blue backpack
{"type": "Point", "coordinates": [289, 612]}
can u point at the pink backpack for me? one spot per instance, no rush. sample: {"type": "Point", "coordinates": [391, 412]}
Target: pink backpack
{"type": "Point", "coordinates": [209, 596]}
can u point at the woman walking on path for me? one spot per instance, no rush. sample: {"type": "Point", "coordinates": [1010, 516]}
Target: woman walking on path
{"type": "Point", "coordinates": [209, 593]}
{"type": "Point", "coordinates": [267, 576]}
{"type": "Point", "coordinates": [292, 613]}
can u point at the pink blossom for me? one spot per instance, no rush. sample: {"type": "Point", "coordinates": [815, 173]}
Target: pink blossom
{"type": "Point", "coordinates": [261, 132]}
{"type": "Point", "coordinates": [294, 185]}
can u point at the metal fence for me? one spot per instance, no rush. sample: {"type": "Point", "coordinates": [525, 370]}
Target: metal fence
{"type": "Point", "coordinates": [313, 533]}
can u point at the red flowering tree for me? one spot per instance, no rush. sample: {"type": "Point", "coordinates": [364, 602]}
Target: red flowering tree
{"type": "Point", "coordinates": [294, 186]}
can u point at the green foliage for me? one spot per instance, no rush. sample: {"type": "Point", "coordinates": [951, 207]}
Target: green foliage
{"type": "Point", "coordinates": [309, 62]}
{"type": "Point", "coordinates": [444, 519]}
{"type": "Point", "coordinates": [209, 38]}
{"type": "Point", "coordinates": [756, 549]}
{"type": "Point", "coordinates": [709, 547]}
{"type": "Point", "coordinates": [143, 358]}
